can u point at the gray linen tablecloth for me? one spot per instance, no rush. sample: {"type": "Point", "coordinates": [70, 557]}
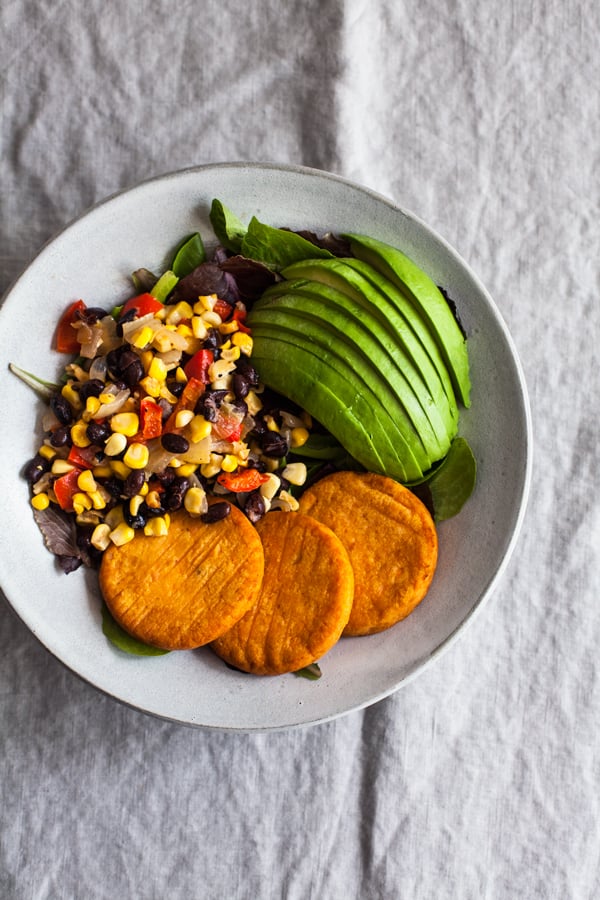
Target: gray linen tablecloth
{"type": "Point", "coordinates": [480, 778]}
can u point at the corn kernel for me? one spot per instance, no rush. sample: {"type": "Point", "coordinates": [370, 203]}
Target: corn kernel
{"type": "Point", "coordinates": [102, 471]}
{"type": "Point", "coordinates": [199, 329]}
{"type": "Point", "coordinates": [40, 501]}
{"type": "Point", "coordinates": [295, 473]}
{"type": "Point", "coordinates": [142, 337]}
{"type": "Point", "coordinates": [212, 319]}
{"type": "Point", "coordinates": [115, 445]}
{"type": "Point", "coordinates": [136, 456]}
{"type": "Point", "coordinates": [151, 386]}
{"type": "Point", "coordinates": [100, 538]}
{"type": "Point", "coordinates": [135, 503]}
{"type": "Point", "coordinates": [271, 423]}
{"type": "Point", "coordinates": [47, 451]}
{"type": "Point", "coordinates": [229, 463]}
{"type": "Point", "coordinates": [180, 375]}
{"type": "Point", "coordinates": [243, 341]}
{"type": "Point", "coordinates": [156, 527]}
{"type": "Point", "coordinates": [120, 469]}
{"type": "Point", "coordinates": [81, 502]}
{"type": "Point", "coordinates": [79, 434]}
{"type": "Point", "coordinates": [153, 499]}
{"type": "Point", "coordinates": [162, 341]}
{"type": "Point", "coordinates": [269, 488]}
{"type": "Point", "coordinates": [86, 482]}
{"type": "Point", "coordinates": [229, 327]}
{"type": "Point", "coordinates": [220, 369]}
{"type": "Point", "coordinates": [200, 428]}
{"type": "Point", "coordinates": [183, 418]}
{"type": "Point", "coordinates": [185, 330]}
{"type": "Point", "coordinates": [231, 354]}
{"type": "Point", "coordinates": [98, 499]}
{"type": "Point", "coordinates": [146, 357]}
{"type": "Point", "coordinates": [71, 396]}
{"type": "Point", "coordinates": [122, 534]}
{"type": "Point", "coordinates": [205, 302]}
{"type": "Point", "coordinates": [174, 463]}
{"type": "Point", "coordinates": [92, 405]}
{"type": "Point", "coordinates": [299, 436]}
{"type": "Point", "coordinates": [181, 310]}
{"type": "Point", "coordinates": [286, 502]}
{"type": "Point", "coordinates": [253, 402]}
{"type": "Point", "coordinates": [195, 501]}
{"type": "Point", "coordinates": [61, 467]}
{"type": "Point", "coordinates": [187, 469]}
{"type": "Point", "coordinates": [144, 489]}
{"type": "Point", "coordinates": [157, 369]}
{"type": "Point", "coordinates": [125, 423]}
{"type": "Point", "coordinates": [107, 397]}
{"type": "Point", "coordinates": [212, 468]}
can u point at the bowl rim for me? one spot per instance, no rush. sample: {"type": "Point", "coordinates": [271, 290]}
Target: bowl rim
{"type": "Point", "coordinates": [525, 474]}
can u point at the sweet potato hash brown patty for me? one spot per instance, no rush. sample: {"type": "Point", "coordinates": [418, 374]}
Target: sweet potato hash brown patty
{"type": "Point", "coordinates": [303, 605]}
{"type": "Point", "coordinates": [183, 590]}
{"type": "Point", "coordinates": [391, 540]}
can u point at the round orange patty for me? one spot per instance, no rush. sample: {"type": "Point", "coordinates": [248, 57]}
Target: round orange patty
{"type": "Point", "coordinates": [183, 590]}
{"type": "Point", "coordinates": [304, 602]}
{"type": "Point", "coordinates": [391, 540]}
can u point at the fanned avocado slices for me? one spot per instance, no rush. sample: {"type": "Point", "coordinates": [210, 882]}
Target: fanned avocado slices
{"type": "Point", "coordinates": [426, 297]}
{"type": "Point", "coordinates": [328, 388]}
{"type": "Point", "coordinates": [315, 313]}
{"type": "Point", "coordinates": [394, 310]}
{"type": "Point", "coordinates": [391, 349]}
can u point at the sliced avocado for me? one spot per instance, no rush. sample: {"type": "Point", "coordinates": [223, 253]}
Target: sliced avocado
{"type": "Point", "coordinates": [427, 299]}
{"type": "Point", "coordinates": [389, 351]}
{"type": "Point", "coordinates": [360, 347]}
{"type": "Point", "coordinates": [318, 337]}
{"type": "Point", "coordinates": [397, 312]}
{"type": "Point", "coordinates": [335, 397]}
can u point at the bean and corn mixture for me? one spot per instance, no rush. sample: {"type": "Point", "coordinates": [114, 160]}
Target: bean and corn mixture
{"type": "Point", "coordinates": [161, 408]}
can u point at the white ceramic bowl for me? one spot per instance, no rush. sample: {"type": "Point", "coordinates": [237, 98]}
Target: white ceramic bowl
{"type": "Point", "coordinates": [92, 259]}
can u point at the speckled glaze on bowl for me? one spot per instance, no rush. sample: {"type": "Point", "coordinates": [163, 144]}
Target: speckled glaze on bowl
{"type": "Point", "coordinates": [93, 258]}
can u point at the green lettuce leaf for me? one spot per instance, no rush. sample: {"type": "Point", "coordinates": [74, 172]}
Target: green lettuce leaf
{"type": "Point", "coordinates": [123, 641]}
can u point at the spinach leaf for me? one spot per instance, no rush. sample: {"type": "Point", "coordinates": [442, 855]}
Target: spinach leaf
{"type": "Point", "coordinates": [228, 229]}
{"type": "Point", "coordinates": [123, 641]}
{"type": "Point", "coordinates": [277, 247]}
{"type": "Point", "coordinates": [312, 672]}
{"type": "Point", "coordinates": [188, 256]}
{"type": "Point", "coordinates": [164, 285]}
{"type": "Point", "coordinates": [453, 482]}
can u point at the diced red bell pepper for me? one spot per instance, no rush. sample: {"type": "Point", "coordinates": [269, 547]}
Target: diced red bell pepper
{"type": "Point", "coordinates": [144, 304]}
{"type": "Point", "coordinates": [150, 418]}
{"type": "Point", "coordinates": [190, 395]}
{"type": "Point", "coordinates": [242, 481]}
{"type": "Point", "coordinates": [222, 309]}
{"type": "Point", "coordinates": [65, 338]}
{"type": "Point", "coordinates": [199, 364]}
{"type": "Point", "coordinates": [65, 489]}
{"type": "Point", "coordinates": [84, 457]}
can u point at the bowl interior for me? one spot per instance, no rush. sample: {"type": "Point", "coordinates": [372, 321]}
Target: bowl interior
{"type": "Point", "coordinates": [92, 259]}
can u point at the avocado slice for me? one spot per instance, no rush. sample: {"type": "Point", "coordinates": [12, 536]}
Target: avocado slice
{"type": "Point", "coordinates": [331, 392]}
{"type": "Point", "coordinates": [394, 310]}
{"type": "Point", "coordinates": [359, 344]}
{"type": "Point", "coordinates": [317, 336]}
{"type": "Point", "coordinates": [427, 299]}
{"type": "Point", "coordinates": [388, 350]}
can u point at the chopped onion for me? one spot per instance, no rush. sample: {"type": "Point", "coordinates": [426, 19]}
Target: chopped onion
{"type": "Point", "coordinates": [108, 409]}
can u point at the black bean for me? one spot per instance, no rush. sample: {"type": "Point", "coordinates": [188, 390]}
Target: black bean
{"type": "Point", "coordinates": [61, 409]}
{"type": "Point", "coordinates": [241, 386]}
{"type": "Point", "coordinates": [61, 437]}
{"type": "Point", "coordinates": [133, 372]}
{"type": "Point", "coordinates": [216, 512]}
{"type": "Point", "coordinates": [91, 314]}
{"type": "Point", "coordinates": [176, 492]}
{"type": "Point", "coordinates": [91, 388]}
{"type": "Point", "coordinates": [245, 368]}
{"type": "Point", "coordinates": [98, 432]}
{"type": "Point", "coordinates": [273, 444]}
{"type": "Point", "coordinates": [255, 507]}
{"type": "Point", "coordinates": [133, 483]}
{"type": "Point", "coordinates": [175, 443]}
{"type": "Point", "coordinates": [35, 468]}
{"type": "Point", "coordinates": [134, 521]}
